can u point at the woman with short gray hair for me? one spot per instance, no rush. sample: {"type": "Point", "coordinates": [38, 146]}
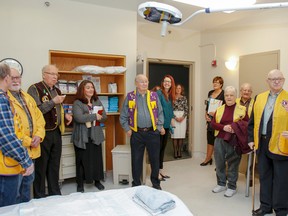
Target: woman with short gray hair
{"type": "Point", "coordinates": [224, 150]}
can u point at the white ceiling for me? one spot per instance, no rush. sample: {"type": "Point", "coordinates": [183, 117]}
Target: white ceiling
{"type": "Point", "coordinates": [204, 22]}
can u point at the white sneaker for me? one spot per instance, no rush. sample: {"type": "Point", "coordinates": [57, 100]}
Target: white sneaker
{"type": "Point", "coordinates": [229, 192]}
{"type": "Point", "coordinates": [218, 189]}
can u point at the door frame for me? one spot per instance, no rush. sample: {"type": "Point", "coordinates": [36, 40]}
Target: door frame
{"type": "Point", "coordinates": [191, 89]}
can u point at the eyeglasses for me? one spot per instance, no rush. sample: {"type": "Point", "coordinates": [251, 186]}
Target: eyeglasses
{"type": "Point", "coordinates": [279, 79]}
{"type": "Point", "coordinates": [246, 90]}
{"type": "Point", "coordinates": [52, 74]}
{"type": "Point", "coordinates": [17, 78]}
{"type": "Point", "coordinates": [167, 81]}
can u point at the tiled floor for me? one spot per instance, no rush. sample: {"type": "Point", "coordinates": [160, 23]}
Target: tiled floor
{"type": "Point", "coordinates": [193, 184]}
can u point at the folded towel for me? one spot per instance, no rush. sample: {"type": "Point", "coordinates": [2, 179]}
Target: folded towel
{"type": "Point", "coordinates": [152, 200]}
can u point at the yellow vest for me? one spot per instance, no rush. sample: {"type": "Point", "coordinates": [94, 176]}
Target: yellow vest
{"type": "Point", "coordinates": [277, 144]}
{"type": "Point", "coordinates": [250, 107]}
{"type": "Point", "coordinates": [239, 113]}
{"type": "Point", "coordinates": [38, 122]}
{"type": "Point", "coordinates": [152, 106]}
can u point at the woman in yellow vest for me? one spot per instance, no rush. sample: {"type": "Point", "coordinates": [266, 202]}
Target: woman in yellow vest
{"type": "Point", "coordinates": [224, 152]}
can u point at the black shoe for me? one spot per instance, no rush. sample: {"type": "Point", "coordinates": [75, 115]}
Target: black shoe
{"type": "Point", "coordinates": [157, 187]}
{"type": "Point", "coordinates": [99, 185]}
{"type": "Point", "coordinates": [206, 163]}
{"type": "Point", "coordinates": [80, 188]}
{"type": "Point", "coordinates": [164, 176]}
{"type": "Point", "coordinates": [260, 212]}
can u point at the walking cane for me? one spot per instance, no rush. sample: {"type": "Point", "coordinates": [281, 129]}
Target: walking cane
{"type": "Point", "coordinates": [253, 182]}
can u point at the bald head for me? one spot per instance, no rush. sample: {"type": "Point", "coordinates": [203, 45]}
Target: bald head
{"type": "Point", "coordinates": [245, 91]}
{"type": "Point", "coordinates": [275, 80]}
{"type": "Point", "coordinates": [141, 82]}
{"type": "Point", "coordinates": [275, 72]}
{"type": "Point", "coordinates": [50, 75]}
{"type": "Point", "coordinates": [140, 77]}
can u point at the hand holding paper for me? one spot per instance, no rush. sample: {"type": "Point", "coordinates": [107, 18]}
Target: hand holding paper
{"type": "Point", "coordinates": [213, 105]}
{"type": "Point", "coordinates": [98, 110]}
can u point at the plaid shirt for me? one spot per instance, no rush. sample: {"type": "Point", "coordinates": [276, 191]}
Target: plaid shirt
{"type": "Point", "coordinates": [10, 145]}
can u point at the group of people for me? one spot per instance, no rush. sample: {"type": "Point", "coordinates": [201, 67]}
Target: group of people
{"type": "Point", "coordinates": [37, 116]}
{"type": "Point", "coordinates": [148, 117]}
{"type": "Point", "coordinates": [28, 119]}
{"type": "Point", "coordinates": [260, 124]}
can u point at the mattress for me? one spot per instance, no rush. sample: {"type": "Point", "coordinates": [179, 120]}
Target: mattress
{"type": "Point", "coordinates": [116, 202]}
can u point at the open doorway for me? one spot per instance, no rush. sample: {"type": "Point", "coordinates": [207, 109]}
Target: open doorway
{"type": "Point", "coordinates": [182, 73]}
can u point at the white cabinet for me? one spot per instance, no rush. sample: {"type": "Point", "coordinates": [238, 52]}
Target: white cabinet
{"type": "Point", "coordinates": [122, 170]}
{"type": "Point", "coordinates": [68, 162]}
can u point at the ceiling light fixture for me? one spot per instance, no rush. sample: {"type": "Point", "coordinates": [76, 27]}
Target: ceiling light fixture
{"type": "Point", "coordinates": [163, 13]}
{"type": "Point", "coordinates": [159, 12]}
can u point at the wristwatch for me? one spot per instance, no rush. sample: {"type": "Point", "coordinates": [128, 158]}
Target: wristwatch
{"type": "Point", "coordinates": [13, 63]}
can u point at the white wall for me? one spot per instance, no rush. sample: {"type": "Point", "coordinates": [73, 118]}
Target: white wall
{"type": "Point", "coordinates": [183, 45]}
{"type": "Point", "coordinates": [29, 30]}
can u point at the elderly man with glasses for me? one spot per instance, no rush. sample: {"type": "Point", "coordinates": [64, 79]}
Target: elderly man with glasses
{"type": "Point", "coordinates": [14, 158]}
{"type": "Point", "coordinates": [33, 127]}
{"type": "Point", "coordinates": [49, 100]}
{"type": "Point", "coordinates": [268, 134]}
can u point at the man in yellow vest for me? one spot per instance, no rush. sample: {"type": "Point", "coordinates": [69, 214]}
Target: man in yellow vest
{"type": "Point", "coordinates": [142, 119]}
{"type": "Point", "coordinates": [267, 133]}
{"type": "Point", "coordinates": [33, 127]}
{"type": "Point", "coordinates": [245, 97]}
{"type": "Point", "coordinates": [14, 158]}
{"type": "Point", "coordinates": [246, 100]}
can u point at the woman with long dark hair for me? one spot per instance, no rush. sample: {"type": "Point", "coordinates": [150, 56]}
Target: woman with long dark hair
{"type": "Point", "coordinates": [87, 136]}
{"type": "Point", "coordinates": [167, 97]}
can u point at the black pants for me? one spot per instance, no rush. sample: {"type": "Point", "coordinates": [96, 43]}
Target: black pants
{"type": "Point", "coordinates": [140, 140]}
{"type": "Point", "coordinates": [163, 143]}
{"type": "Point", "coordinates": [273, 181]}
{"type": "Point", "coordinates": [89, 163]}
{"type": "Point", "coordinates": [48, 164]}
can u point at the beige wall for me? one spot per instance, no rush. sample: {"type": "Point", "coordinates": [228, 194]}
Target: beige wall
{"type": "Point", "coordinates": [29, 30]}
{"type": "Point", "coordinates": [32, 29]}
{"type": "Point", "coordinates": [183, 45]}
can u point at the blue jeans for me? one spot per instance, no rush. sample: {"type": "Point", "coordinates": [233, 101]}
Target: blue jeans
{"type": "Point", "coordinates": [9, 189]}
{"type": "Point", "coordinates": [222, 152]}
{"type": "Point", "coordinates": [25, 185]}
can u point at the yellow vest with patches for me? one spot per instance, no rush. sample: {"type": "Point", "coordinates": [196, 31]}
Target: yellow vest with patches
{"type": "Point", "coordinates": [277, 144]}
{"type": "Point", "coordinates": [239, 113]}
{"type": "Point", "coordinates": [132, 106]}
{"type": "Point", "coordinates": [37, 121]}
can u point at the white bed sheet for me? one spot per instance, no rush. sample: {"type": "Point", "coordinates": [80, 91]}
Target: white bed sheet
{"type": "Point", "coordinates": [117, 202]}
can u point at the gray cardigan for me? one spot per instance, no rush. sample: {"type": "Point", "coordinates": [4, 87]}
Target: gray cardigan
{"type": "Point", "coordinates": [81, 115]}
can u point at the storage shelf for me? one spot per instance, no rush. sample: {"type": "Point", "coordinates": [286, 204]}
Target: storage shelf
{"type": "Point", "coordinates": [93, 74]}
{"type": "Point", "coordinates": [67, 62]}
